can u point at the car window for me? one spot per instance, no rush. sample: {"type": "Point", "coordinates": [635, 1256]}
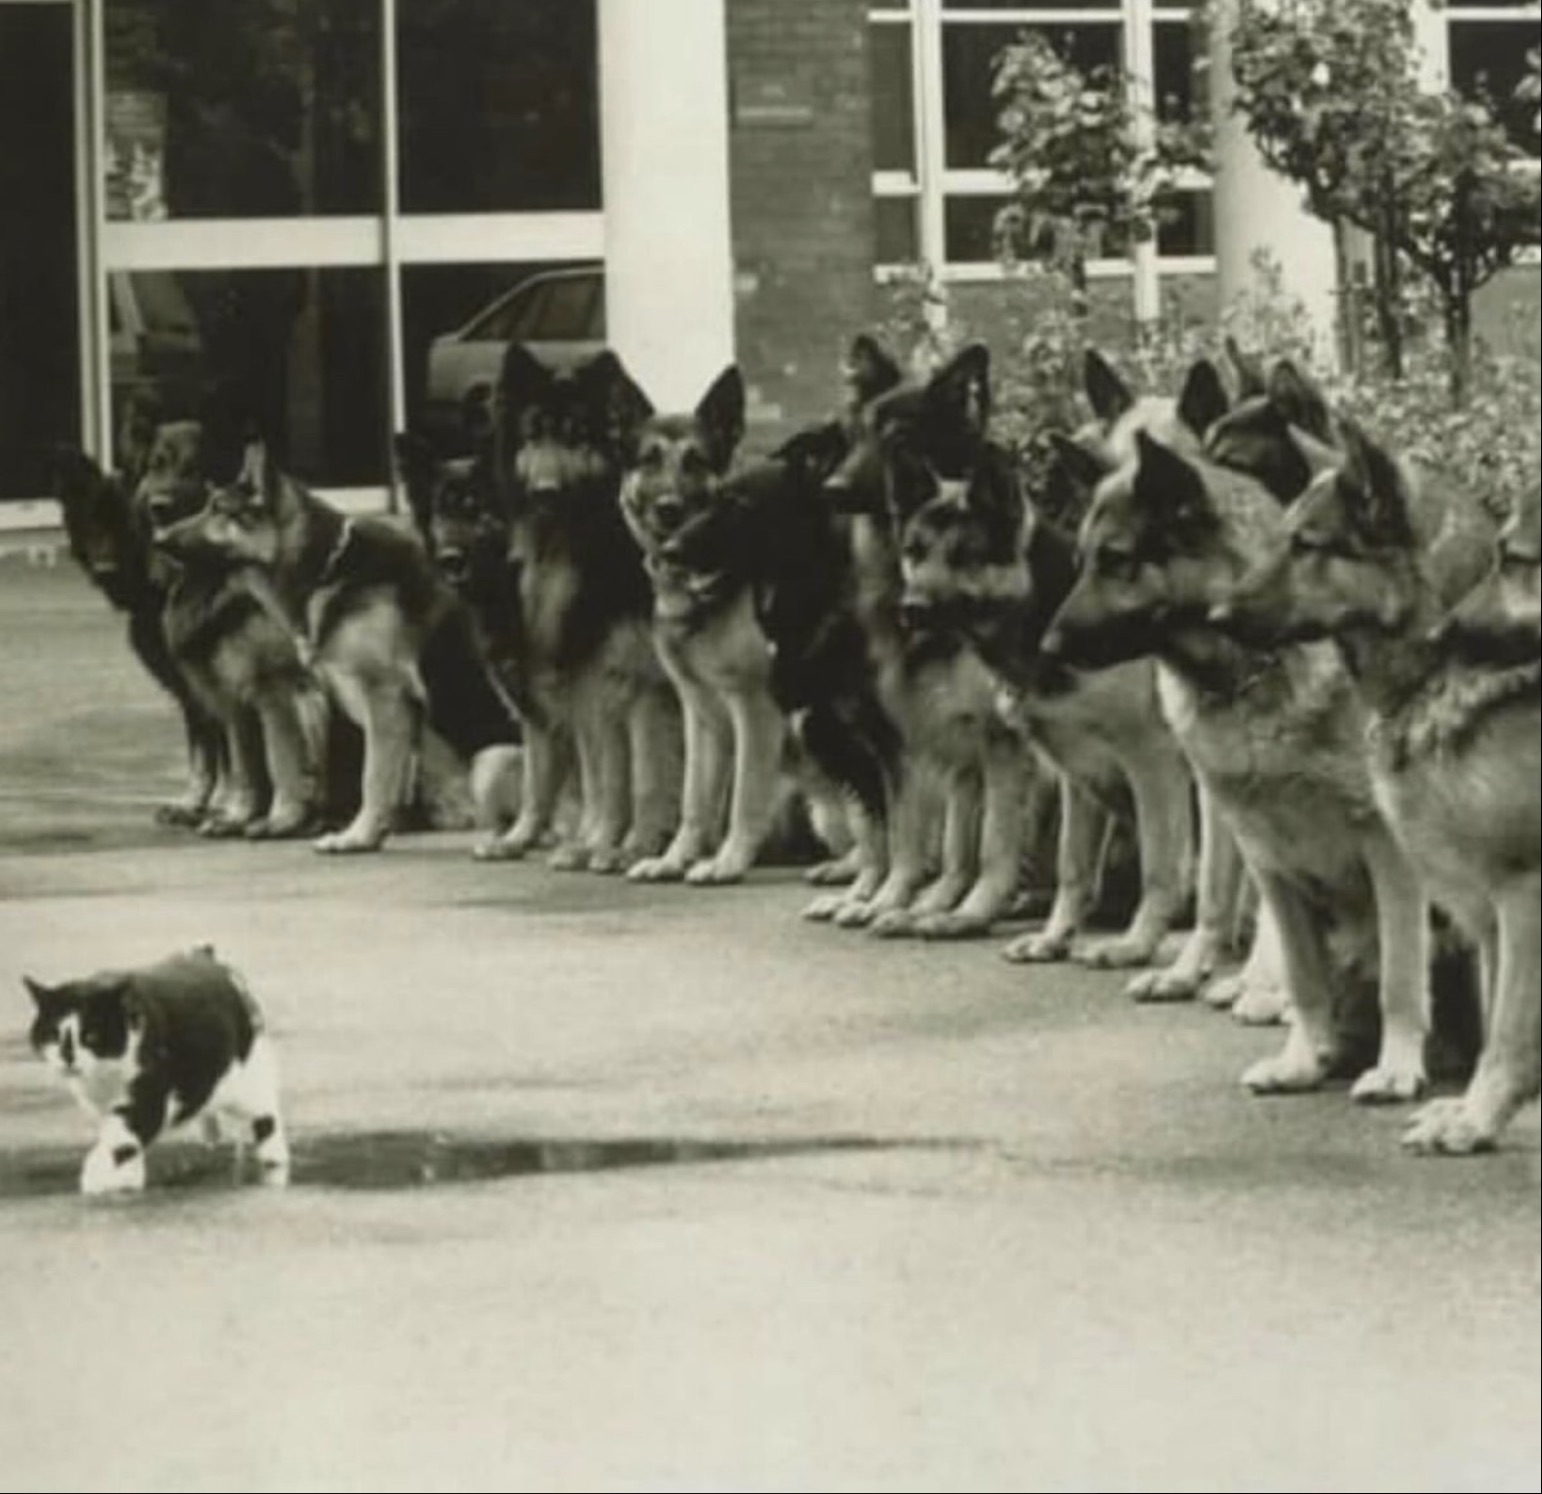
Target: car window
{"type": "Point", "coordinates": [563, 314]}
{"type": "Point", "coordinates": [526, 313]}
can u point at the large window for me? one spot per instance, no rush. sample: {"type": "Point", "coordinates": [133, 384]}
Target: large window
{"type": "Point", "coordinates": [333, 208]}
{"type": "Point", "coordinates": [1490, 50]}
{"type": "Point", "coordinates": [934, 118]}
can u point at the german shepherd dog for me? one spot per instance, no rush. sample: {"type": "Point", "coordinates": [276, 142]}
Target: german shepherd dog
{"type": "Point", "coordinates": [1276, 736]}
{"type": "Point", "coordinates": [919, 442]}
{"type": "Point", "coordinates": [980, 557]}
{"type": "Point", "coordinates": [109, 538]}
{"type": "Point", "coordinates": [458, 513]}
{"type": "Point", "coordinates": [767, 533]}
{"type": "Point", "coordinates": [1226, 902]}
{"type": "Point", "coordinates": [592, 681]}
{"type": "Point", "coordinates": [242, 666]}
{"type": "Point", "coordinates": [708, 641]}
{"type": "Point", "coordinates": [1374, 560]}
{"type": "Point", "coordinates": [359, 603]}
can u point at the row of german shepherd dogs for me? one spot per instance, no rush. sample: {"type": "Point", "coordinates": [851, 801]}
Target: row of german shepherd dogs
{"type": "Point", "coordinates": [1307, 679]}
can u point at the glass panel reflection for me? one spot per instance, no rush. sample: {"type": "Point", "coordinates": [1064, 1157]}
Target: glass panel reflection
{"type": "Point", "coordinates": [458, 319]}
{"type": "Point", "coordinates": [241, 109]}
{"type": "Point", "coordinates": [299, 353]}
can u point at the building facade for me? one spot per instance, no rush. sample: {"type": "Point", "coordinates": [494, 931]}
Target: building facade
{"type": "Point", "coordinates": [346, 207]}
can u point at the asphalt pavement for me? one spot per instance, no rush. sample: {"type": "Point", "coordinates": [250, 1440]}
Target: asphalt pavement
{"type": "Point", "coordinates": [607, 1187]}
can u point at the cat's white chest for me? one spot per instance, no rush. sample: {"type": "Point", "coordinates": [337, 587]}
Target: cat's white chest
{"type": "Point", "coordinates": [101, 1087]}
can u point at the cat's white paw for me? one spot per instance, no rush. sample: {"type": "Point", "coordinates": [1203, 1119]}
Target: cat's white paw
{"type": "Point", "coordinates": [271, 1152]}
{"type": "Point", "coordinates": [113, 1167]}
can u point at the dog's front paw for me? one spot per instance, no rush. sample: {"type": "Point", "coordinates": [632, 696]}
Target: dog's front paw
{"type": "Point", "coordinates": [609, 862]}
{"type": "Point", "coordinates": [1260, 1004]}
{"type": "Point", "coordinates": [1222, 991]}
{"type": "Point", "coordinates": [1389, 1084]}
{"type": "Point", "coordinates": [893, 923]}
{"type": "Point", "coordinates": [107, 1170]}
{"type": "Point", "coordinates": [1172, 983]}
{"type": "Point", "coordinates": [1449, 1128]}
{"type": "Point", "coordinates": [855, 913]}
{"type": "Point", "coordinates": [1120, 952]}
{"type": "Point", "coordinates": [718, 871]}
{"type": "Point", "coordinates": [1291, 1072]}
{"type": "Point", "coordinates": [953, 925]}
{"type": "Point", "coordinates": [1038, 949]}
{"type": "Point", "coordinates": [348, 842]}
{"type": "Point", "coordinates": [225, 825]}
{"type": "Point", "coordinates": [287, 824]}
{"type": "Point", "coordinates": [505, 847]}
{"type": "Point", "coordinates": [184, 814]}
{"type": "Point", "coordinates": [836, 873]}
{"type": "Point", "coordinates": [656, 869]}
{"type": "Point", "coordinates": [824, 907]}
{"type": "Point", "coordinates": [569, 857]}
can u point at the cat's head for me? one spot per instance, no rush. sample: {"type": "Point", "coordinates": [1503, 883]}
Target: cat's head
{"type": "Point", "coordinates": [81, 1025]}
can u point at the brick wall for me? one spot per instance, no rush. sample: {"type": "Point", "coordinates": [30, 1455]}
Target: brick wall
{"type": "Point", "coordinates": [800, 158]}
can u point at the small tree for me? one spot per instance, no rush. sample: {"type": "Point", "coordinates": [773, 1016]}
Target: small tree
{"type": "Point", "coordinates": [1090, 167]}
{"type": "Point", "coordinates": [1330, 91]}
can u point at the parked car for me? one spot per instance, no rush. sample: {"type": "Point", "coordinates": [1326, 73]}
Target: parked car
{"type": "Point", "coordinates": [560, 314]}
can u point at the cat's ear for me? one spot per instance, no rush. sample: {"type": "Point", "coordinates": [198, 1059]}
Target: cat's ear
{"type": "Point", "coordinates": [132, 1002]}
{"type": "Point", "coordinates": [37, 990]}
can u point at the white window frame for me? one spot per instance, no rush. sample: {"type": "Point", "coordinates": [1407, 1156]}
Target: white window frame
{"type": "Point", "coordinates": [933, 181]}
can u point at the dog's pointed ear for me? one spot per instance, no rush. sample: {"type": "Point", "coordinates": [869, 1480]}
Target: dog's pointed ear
{"type": "Point", "coordinates": [868, 369]}
{"type": "Point", "coordinates": [416, 462]}
{"type": "Point", "coordinates": [1169, 485]}
{"type": "Point", "coordinates": [720, 414]}
{"type": "Point", "coordinates": [259, 472]}
{"type": "Point", "coordinates": [522, 378]}
{"type": "Point", "coordinates": [74, 473]}
{"type": "Point", "coordinates": [1202, 400]}
{"type": "Point", "coordinates": [1318, 455]}
{"type": "Point", "coordinates": [1251, 379]}
{"type": "Point", "coordinates": [1107, 393]}
{"type": "Point", "coordinates": [606, 381]}
{"type": "Point", "coordinates": [1373, 484]}
{"type": "Point", "coordinates": [963, 387]}
{"type": "Point", "coordinates": [1299, 400]}
{"type": "Point", "coordinates": [814, 452]}
{"type": "Point", "coordinates": [1084, 468]}
{"type": "Point", "coordinates": [135, 434]}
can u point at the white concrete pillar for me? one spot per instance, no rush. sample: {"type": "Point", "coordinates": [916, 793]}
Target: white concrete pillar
{"type": "Point", "coordinates": [1256, 208]}
{"type": "Point", "coordinates": [669, 290]}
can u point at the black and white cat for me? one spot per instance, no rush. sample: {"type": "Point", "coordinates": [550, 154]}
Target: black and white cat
{"type": "Point", "coordinates": [147, 1049]}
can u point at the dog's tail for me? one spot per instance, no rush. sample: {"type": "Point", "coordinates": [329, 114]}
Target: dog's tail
{"type": "Point", "coordinates": [467, 706]}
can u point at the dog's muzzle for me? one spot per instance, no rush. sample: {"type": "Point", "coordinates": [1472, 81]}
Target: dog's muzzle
{"type": "Point", "coordinates": [453, 566]}
{"type": "Point", "coordinates": [918, 613]}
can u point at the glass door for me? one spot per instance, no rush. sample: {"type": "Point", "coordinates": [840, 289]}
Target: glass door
{"type": "Point", "coordinates": [337, 211]}
{"type": "Point", "coordinates": [240, 197]}
{"type": "Point", "coordinates": [41, 391]}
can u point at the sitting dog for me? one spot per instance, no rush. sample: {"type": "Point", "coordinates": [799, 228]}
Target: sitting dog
{"type": "Point", "coordinates": [1374, 559]}
{"type": "Point", "coordinates": [110, 539]}
{"type": "Point", "coordinates": [589, 673]}
{"type": "Point", "coordinates": [917, 441]}
{"type": "Point", "coordinates": [359, 603]}
{"type": "Point", "coordinates": [1276, 737]}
